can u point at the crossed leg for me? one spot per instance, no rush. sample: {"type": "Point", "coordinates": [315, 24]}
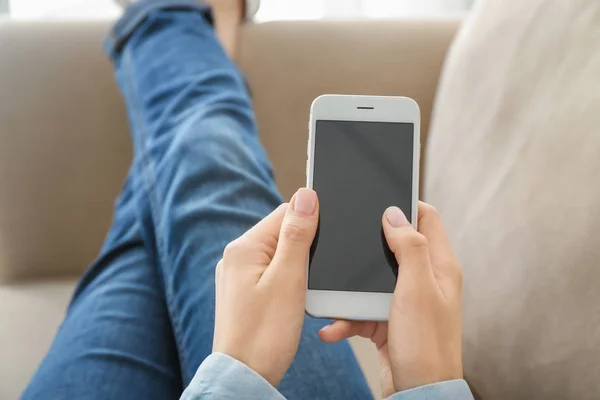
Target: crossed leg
{"type": "Point", "coordinates": [200, 179]}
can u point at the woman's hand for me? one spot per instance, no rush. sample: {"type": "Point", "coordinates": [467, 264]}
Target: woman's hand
{"type": "Point", "coordinates": [261, 288]}
{"type": "Point", "coordinates": [421, 344]}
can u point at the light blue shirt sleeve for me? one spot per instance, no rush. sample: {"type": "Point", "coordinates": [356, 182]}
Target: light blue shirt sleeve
{"type": "Point", "coordinates": [224, 378]}
{"type": "Point", "coordinates": [221, 377]}
{"type": "Point", "coordinates": [449, 390]}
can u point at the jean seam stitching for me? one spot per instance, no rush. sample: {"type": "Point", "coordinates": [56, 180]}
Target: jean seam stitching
{"type": "Point", "coordinates": [149, 180]}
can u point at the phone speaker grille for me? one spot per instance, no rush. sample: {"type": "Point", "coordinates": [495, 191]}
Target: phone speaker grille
{"type": "Point", "coordinates": [366, 108]}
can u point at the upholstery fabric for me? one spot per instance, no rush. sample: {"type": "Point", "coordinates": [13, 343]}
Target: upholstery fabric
{"type": "Point", "coordinates": [513, 161]}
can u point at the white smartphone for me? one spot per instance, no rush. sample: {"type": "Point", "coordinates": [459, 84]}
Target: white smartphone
{"type": "Point", "coordinates": [363, 156]}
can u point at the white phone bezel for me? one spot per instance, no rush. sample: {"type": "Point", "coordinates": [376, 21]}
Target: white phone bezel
{"type": "Point", "coordinates": [361, 306]}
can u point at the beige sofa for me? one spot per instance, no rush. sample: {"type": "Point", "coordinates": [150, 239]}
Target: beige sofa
{"type": "Point", "coordinates": [64, 144]}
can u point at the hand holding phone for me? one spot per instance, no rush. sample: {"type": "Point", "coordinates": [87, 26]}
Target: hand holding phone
{"type": "Point", "coordinates": [261, 287]}
{"type": "Point", "coordinates": [421, 344]}
{"type": "Point", "coordinates": [260, 291]}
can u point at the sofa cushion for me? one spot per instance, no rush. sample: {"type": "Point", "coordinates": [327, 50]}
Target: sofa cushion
{"type": "Point", "coordinates": [513, 167]}
{"type": "Point", "coordinates": [29, 317]}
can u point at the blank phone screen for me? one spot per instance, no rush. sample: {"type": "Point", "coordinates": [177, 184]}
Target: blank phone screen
{"type": "Point", "coordinates": [360, 169]}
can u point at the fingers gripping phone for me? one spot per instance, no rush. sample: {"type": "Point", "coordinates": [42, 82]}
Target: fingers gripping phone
{"type": "Point", "coordinates": [363, 156]}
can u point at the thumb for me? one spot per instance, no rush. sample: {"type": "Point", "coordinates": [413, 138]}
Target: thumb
{"type": "Point", "coordinates": [297, 233]}
{"type": "Point", "coordinates": [409, 246]}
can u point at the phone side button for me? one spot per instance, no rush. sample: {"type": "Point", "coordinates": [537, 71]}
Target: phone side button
{"type": "Point", "coordinates": [307, 170]}
{"type": "Point", "coordinates": [308, 141]}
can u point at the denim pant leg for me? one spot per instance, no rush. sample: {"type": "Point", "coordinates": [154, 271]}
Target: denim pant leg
{"type": "Point", "coordinates": [206, 179]}
{"type": "Point", "coordinates": [116, 341]}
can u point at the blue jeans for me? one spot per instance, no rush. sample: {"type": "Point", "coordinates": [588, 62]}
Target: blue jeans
{"type": "Point", "coordinates": [141, 319]}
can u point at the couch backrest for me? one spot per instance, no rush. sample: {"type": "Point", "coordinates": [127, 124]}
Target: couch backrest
{"type": "Point", "coordinates": [64, 144]}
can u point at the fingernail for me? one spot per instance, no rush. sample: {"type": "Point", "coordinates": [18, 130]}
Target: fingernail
{"type": "Point", "coordinates": [396, 217]}
{"type": "Point", "coordinates": [305, 202]}
{"type": "Point", "coordinates": [325, 328]}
